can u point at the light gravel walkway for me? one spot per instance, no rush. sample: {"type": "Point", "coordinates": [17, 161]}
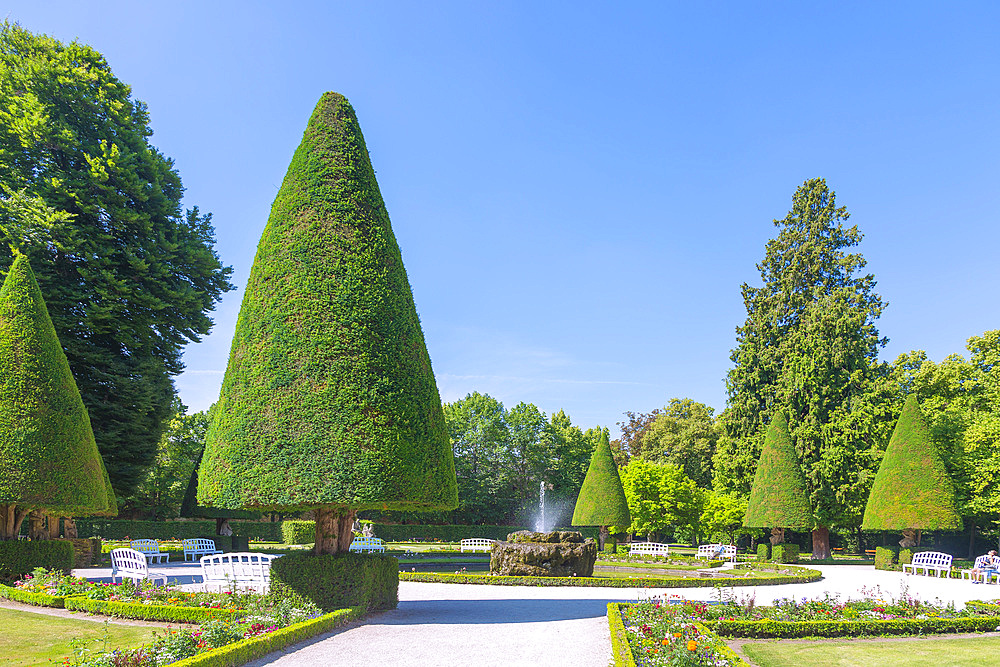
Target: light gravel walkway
{"type": "Point", "coordinates": [458, 625]}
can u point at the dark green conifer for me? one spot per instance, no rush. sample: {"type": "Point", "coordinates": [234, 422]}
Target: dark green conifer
{"type": "Point", "coordinates": [602, 499]}
{"type": "Point", "coordinates": [329, 400]}
{"type": "Point", "coordinates": [48, 457]}
{"type": "Point", "coordinates": [778, 498]}
{"type": "Point", "coordinates": [912, 489]}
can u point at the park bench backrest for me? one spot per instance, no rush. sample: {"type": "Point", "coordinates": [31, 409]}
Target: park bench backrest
{"type": "Point", "coordinates": [237, 567]}
{"type": "Point", "coordinates": [146, 546]}
{"type": "Point", "coordinates": [477, 542]}
{"type": "Point", "coordinates": [649, 548]}
{"type": "Point", "coordinates": [198, 544]}
{"type": "Point", "coordinates": [129, 561]}
{"type": "Point", "coordinates": [931, 558]}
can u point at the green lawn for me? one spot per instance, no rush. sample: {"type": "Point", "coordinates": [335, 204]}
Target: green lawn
{"type": "Point", "coordinates": [33, 639]}
{"type": "Point", "coordinates": [931, 652]}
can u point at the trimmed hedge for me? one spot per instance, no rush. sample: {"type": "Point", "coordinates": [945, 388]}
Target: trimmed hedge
{"type": "Point", "coordinates": [391, 532]}
{"type": "Point", "coordinates": [298, 532]}
{"type": "Point", "coordinates": [778, 496]}
{"type": "Point", "coordinates": [37, 599]}
{"type": "Point", "coordinates": [48, 456]}
{"type": "Point", "coordinates": [19, 557]}
{"type": "Point", "coordinates": [768, 628]}
{"type": "Point", "coordinates": [119, 529]}
{"type": "Point", "coordinates": [620, 650]}
{"type": "Point", "coordinates": [333, 582]}
{"type": "Point", "coordinates": [602, 499]}
{"type": "Point", "coordinates": [884, 558]}
{"type": "Point", "coordinates": [329, 398]}
{"type": "Point", "coordinates": [148, 612]}
{"type": "Point", "coordinates": [764, 551]}
{"type": "Point", "coordinates": [245, 650]}
{"type": "Point", "coordinates": [610, 582]}
{"type": "Point", "coordinates": [785, 553]}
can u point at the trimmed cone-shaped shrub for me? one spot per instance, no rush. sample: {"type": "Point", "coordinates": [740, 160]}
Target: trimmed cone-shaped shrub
{"type": "Point", "coordinates": [48, 457]}
{"type": "Point", "coordinates": [329, 399]}
{"type": "Point", "coordinates": [912, 488]}
{"type": "Point", "coordinates": [602, 499]}
{"type": "Point", "coordinates": [778, 497]}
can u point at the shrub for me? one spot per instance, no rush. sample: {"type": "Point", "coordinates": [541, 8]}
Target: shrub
{"type": "Point", "coordinates": [905, 556]}
{"type": "Point", "coordinates": [620, 651]}
{"type": "Point", "coordinates": [785, 553]}
{"type": "Point", "coordinates": [778, 496]}
{"type": "Point", "coordinates": [768, 628]}
{"type": "Point", "coordinates": [37, 599]}
{"type": "Point", "coordinates": [764, 551]}
{"type": "Point", "coordinates": [797, 576]}
{"type": "Point", "coordinates": [369, 581]}
{"type": "Point", "coordinates": [884, 558]}
{"type": "Point", "coordinates": [148, 612]}
{"type": "Point", "coordinates": [19, 557]}
{"type": "Point", "coordinates": [602, 499]}
{"type": "Point", "coordinates": [391, 532]}
{"type": "Point", "coordinates": [119, 529]}
{"type": "Point", "coordinates": [298, 532]}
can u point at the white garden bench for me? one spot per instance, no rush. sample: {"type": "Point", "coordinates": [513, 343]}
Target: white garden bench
{"type": "Point", "coordinates": [927, 561]}
{"type": "Point", "coordinates": [233, 570]}
{"type": "Point", "coordinates": [199, 546]}
{"type": "Point", "coordinates": [367, 544]}
{"type": "Point", "coordinates": [131, 564]}
{"type": "Point", "coordinates": [648, 549]}
{"type": "Point", "coordinates": [151, 549]}
{"type": "Point", "coordinates": [982, 562]}
{"type": "Point", "coordinates": [476, 544]}
{"type": "Point", "coordinates": [709, 551]}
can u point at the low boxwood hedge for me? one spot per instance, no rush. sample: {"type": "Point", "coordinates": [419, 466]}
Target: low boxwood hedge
{"type": "Point", "coordinates": [785, 553]}
{"type": "Point", "coordinates": [805, 576]}
{"type": "Point", "coordinates": [298, 532]}
{"type": "Point", "coordinates": [245, 650]}
{"type": "Point", "coordinates": [771, 629]}
{"type": "Point", "coordinates": [119, 529]}
{"type": "Point", "coordinates": [37, 599]}
{"type": "Point", "coordinates": [764, 551]}
{"type": "Point", "coordinates": [148, 612]}
{"type": "Point", "coordinates": [370, 581]}
{"type": "Point", "coordinates": [19, 557]}
{"type": "Point", "coordinates": [620, 651]}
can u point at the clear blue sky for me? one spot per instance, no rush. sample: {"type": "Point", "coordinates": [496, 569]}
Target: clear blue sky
{"type": "Point", "coordinates": [579, 189]}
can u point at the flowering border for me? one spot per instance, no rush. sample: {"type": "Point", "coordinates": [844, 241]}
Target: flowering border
{"type": "Point", "coordinates": [37, 599]}
{"type": "Point", "coordinates": [622, 651]}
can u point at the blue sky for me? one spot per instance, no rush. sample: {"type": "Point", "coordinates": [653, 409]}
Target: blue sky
{"type": "Point", "coordinates": [579, 189]}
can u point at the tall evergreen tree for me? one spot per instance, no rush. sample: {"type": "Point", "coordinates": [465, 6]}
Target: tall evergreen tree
{"type": "Point", "coordinates": [48, 457]}
{"type": "Point", "coordinates": [129, 278]}
{"type": "Point", "coordinates": [809, 346]}
{"type": "Point", "coordinates": [329, 400]}
{"type": "Point", "coordinates": [602, 499]}
{"type": "Point", "coordinates": [778, 497]}
{"type": "Point", "coordinates": [912, 489]}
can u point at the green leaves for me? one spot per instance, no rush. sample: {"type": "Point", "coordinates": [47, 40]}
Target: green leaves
{"type": "Point", "coordinates": [778, 497]}
{"type": "Point", "coordinates": [659, 496]}
{"type": "Point", "coordinates": [329, 398]}
{"type": "Point", "coordinates": [602, 500]}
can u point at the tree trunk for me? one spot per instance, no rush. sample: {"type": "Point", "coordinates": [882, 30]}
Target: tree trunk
{"type": "Point", "coordinates": [11, 517]}
{"type": "Point", "coordinates": [602, 535]}
{"type": "Point", "coordinates": [334, 530]}
{"type": "Point", "coordinates": [821, 543]}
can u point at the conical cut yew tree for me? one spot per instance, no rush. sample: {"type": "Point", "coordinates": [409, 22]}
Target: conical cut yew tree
{"type": "Point", "coordinates": [329, 401]}
{"type": "Point", "coordinates": [912, 490]}
{"type": "Point", "coordinates": [778, 497]}
{"type": "Point", "coordinates": [602, 500]}
{"type": "Point", "coordinates": [48, 457]}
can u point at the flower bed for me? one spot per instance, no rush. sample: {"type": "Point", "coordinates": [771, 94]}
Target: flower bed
{"type": "Point", "coordinates": [783, 575]}
{"type": "Point", "coordinates": [655, 629]}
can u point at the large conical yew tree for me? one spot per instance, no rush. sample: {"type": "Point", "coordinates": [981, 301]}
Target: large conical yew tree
{"type": "Point", "coordinates": [912, 490]}
{"type": "Point", "coordinates": [778, 497]}
{"type": "Point", "coordinates": [329, 401]}
{"type": "Point", "coordinates": [48, 457]}
{"type": "Point", "coordinates": [602, 499]}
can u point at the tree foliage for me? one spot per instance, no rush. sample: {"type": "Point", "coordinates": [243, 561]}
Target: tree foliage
{"type": "Point", "coordinates": [809, 346]}
{"type": "Point", "coordinates": [660, 496]}
{"type": "Point", "coordinates": [129, 277]}
{"type": "Point", "coordinates": [912, 488]}
{"type": "Point", "coordinates": [724, 514]}
{"type": "Point", "coordinates": [684, 434]}
{"type": "Point", "coordinates": [602, 500]}
{"type": "Point", "coordinates": [329, 400]}
{"type": "Point", "coordinates": [48, 457]}
{"type": "Point", "coordinates": [778, 497]}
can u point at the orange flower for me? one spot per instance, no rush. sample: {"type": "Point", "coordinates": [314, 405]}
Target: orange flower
{"type": "Point", "coordinates": [677, 634]}
{"type": "Point", "coordinates": [665, 641]}
{"type": "Point", "coordinates": [692, 645]}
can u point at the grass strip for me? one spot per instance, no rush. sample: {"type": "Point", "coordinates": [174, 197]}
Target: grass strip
{"type": "Point", "coordinates": [37, 599]}
{"type": "Point", "coordinates": [245, 650]}
{"type": "Point", "coordinates": [806, 575]}
{"type": "Point", "coordinates": [149, 612]}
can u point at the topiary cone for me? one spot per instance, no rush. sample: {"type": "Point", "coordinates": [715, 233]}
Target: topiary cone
{"type": "Point", "coordinates": [778, 497]}
{"type": "Point", "coordinates": [912, 488]}
{"type": "Point", "coordinates": [48, 458]}
{"type": "Point", "coordinates": [602, 499]}
{"type": "Point", "coordinates": [329, 399]}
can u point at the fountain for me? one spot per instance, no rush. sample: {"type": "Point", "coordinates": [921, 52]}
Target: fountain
{"type": "Point", "coordinates": [540, 526]}
{"type": "Point", "coordinates": [555, 554]}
